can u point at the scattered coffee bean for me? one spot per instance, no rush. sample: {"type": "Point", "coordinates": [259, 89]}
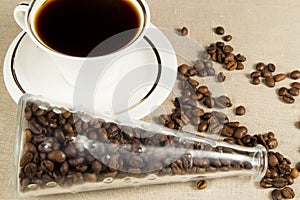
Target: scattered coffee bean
{"type": "Point", "coordinates": [279, 182]}
{"type": "Point", "coordinates": [294, 91]}
{"type": "Point", "coordinates": [266, 73]}
{"type": "Point", "coordinates": [276, 194]}
{"type": "Point", "coordinates": [272, 161]}
{"type": "Point", "coordinates": [240, 66]}
{"type": "Point", "coordinates": [296, 85]}
{"type": "Point", "coordinates": [295, 74]}
{"type": "Point", "coordinates": [227, 38]}
{"type": "Point", "coordinates": [256, 81]}
{"type": "Point", "coordinates": [240, 110]}
{"type": "Point", "coordinates": [221, 77]}
{"type": "Point", "coordinates": [271, 67]}
{"type": "Point", "coordinates": [288, 193]}
{"type": "Point", "coordinates": [260, 66]}
{"type": "Point", "coordinates": [184, 31]}
{"type": "Point", "coordinates": [202, 184]}
{"type": "Point", "coordinates": [219, 30]}
{"type": "Point", "coordinates": [279, 77]}
{"type": "Point", "coordinates": [255, 74]}
{"type": "Point", "coordinates": [294, 173]}
{"type": "Point", "coordinates": [270, 82]}
{"type": "Point", "coordinates": [287, 98]}
{"type": "Point", "coordinates": [282, 91]}
{"type": "Point", "coordinates": [183, 69]}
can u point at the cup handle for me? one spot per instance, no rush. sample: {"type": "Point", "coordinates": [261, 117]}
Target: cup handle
{"type": "Point", "coordinates": [19, 14]}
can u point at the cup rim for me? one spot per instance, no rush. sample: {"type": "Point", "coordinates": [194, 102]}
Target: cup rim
{"type": "Point", "coordinates": [34, 38]}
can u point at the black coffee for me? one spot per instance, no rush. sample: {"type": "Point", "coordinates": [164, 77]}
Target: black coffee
{"type": "Point", "coordinates": [87, 27]}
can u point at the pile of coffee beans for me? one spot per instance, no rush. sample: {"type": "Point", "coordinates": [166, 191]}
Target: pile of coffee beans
{"type": "Point", "coordinates": [266, 73]}
{"type": "Point", "coordinates": [223, 53]}
{"type": "Point", "coordinates": [66, 148]}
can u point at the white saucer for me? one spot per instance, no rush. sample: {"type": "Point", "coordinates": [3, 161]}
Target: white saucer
{"type": "Point", "coordinates": [27, 69]}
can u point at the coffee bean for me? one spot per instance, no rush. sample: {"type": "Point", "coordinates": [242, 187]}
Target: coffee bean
{"type": "Point", "coordinates": [209, 102]}
{"type": "Point", "coordinates": [240, 66]}
{"type": "Point", "coordinates": [240, 58]}
{"type": "Point", "coordinates": [219, 30]}
{"type": "Point", "coordinates": [228, 49]}
{"type": "Point", "coordinates": [25, 159]}
{"type": "Point", "coordinates": [232, 65]}
{"type": "Point", "coordinates": [183, 69]}
{"type": "Point", "coordinates": [266, 73]}
{"type": "Point", "coordinates": [270, 82]}
{"type": "Point", "coordinates": [288, 193]}
{"type": "Point", "coordinates": [279, 182]}
{"type": "Point", "coordinates": [90, 177]}
{"type": "Point", "coordinates": [294, 91]}
{"type": "Point", "coordinates": [289, 179]}
{"type": "Point", "coordinates": [296, 85]}
{"type": "Point", "coordinates": [287, 98]}
{"type": "Point", "coordinates": [197, 112]}
{"type": "Point", "coordinates": [240, 132]}
{"type": "Point", "coordinates": [193, 82]}
{"type": "Point", "coordinates": [56, 156]}
{"type": "Point", "coordinates": [282, 91]}
{"type": "Point", "coordinates": [266, 183]}
{"type": "Point", "coordinates": [294, 173]}
{"type": "Point", "coordinates": [272, 161]}
{"type": "Point", "coordinates": [272, 143]}
{"type": "Point", "coordinates": [256, 81]}
{"type": "Point", "coordinates": [30, 170]}
{"type": "Point", "coordinates": [220, 45]}
{"type": "Point", "coordinates": [205, 56]}
{"type": "Point", "coordinates": [202, 127]}
{"type": "Point", "coordinates": [271, 67]}
{"type": "Point", "coordinates": [184, 31]}
{"type": "Point", "coordinates": [228, 58]}
{"type": "Point", "coordinates": [47, 166]}
{"type": "Point", "coordinates": [260, 66]}
{"type": "Point", "coordinates": [27, 113]}
{"type": "Point", "coordinates": [221, 77]}
{"type": "Point", "coordinates": [295, 74]}
{"type": "Point", "coordinates": [279, 77]}
{"type": "Point", "coordinates": [202, 184]}
{"type": "Point", "coordinates": [240, 110]}
{"type": "Point", "coordinates": [204, 90]}
{"type": "Point", "coordinates": [227, 38]}
{"type": "Point", "coordinates": [276, 194]}
{"type": "Point", "coordinates": [255, 74]}
{"type": "Point", "coordinates": [227, 131]}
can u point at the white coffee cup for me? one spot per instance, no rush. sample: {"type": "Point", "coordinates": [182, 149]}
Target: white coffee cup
{"type": "Point", "coordinates": [70, 65]}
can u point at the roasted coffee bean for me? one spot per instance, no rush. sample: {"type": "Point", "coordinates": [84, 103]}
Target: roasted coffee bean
{"type": "Point", "coordinates": [193, 82]}
{"type": "Point", "coordinates": [228, 58]}
{"type": "Point", "coordinates": [184, 31]}
{"type": "Point", "coordinates": [276, 194]}
{"type": "Point", "coordinates": [282, 91]}
{"type": "Point", "coordinates": [288, 193]}
{"type": "Point", "coordinates": [90, 177]}
{"type": "Point", "coordinates": [255, 74]}
{"type": "Point", "coordinates": [219, 30]}
{"type": "Point", "coordinates": [25, 159]}
{"type": "Point", "coordinates": [279, 182]}
{"type": "Point", "coordinates": [232, 65]}
{"type": "Point", "coordinates": [204, 90]}
{"type": "Point", "coordinates": [266, 73]}
{"type": "Point", "coordinates": [27, 113]}
{"type": "Point", "coordinates": [240, 66]}
{"type": "Point", "coordinates": [202, 127]}
{"type": "Point", "coordinates": [266, 183]}
{"type": "Point", "coordinates": [287, 98]}
{"type": "Point", "coordinates": [211, 72]}
{"type": "Point", "coordinates": [192, 72]}
{"type": "Point", "coordinates": [220, 45]}
{"type": "Point", "coordinates": [228, 49]}
{"type": "Point", "coordinates": [211, 49]}
{"type": "Point", "coordinates": [183, 69]}
{"type": "Point", "coordinates": [240, 110]}
{"type": "Point", "coordinates": [240, 58]}
{"type": "Point", "coordinates": [260, 66]}
{"type": "Point", "coordinates": [279, 77]}
{"type": "Point", "coordinates": [221, 77]}
{"type": "Point", "coordinates": [209, 102]}
{"type": "Point", "coordinates": [256, 81]}
{"type": "Point", "coordinates": [272, 143]}
{"type": "Point", "coordinates": [289, 179]}
{"type": "Point", "coordinates": [296, 85]}
{"type": "Point", "coordinates": [198, 112]}
{"type": "Point", "coordinates": [271, 67]}
{"type": "Point", "coordinates": [270, 82]}
{"type": "Point", "coordinates": [56, 156]}
{"type": "Point", "coordinates": [294, 91]}
{"type": "Point", "coordinates": [295, 74]}
{"type": "Point", "coordinates": [202, 184]}
{"type": "Point", "coordinates": [205, 56]}
{"type": "Point", "coordinates": [272, 161]}
{"type": "Point", "coordinates": [240, 132]}
{"type": "Point", "coordinates": [47, 166]}
{"type": "Point", "coordinates": [294, 173]}
{"type": "Point", "coordinates": [227, 38]}
{"type": "Point", "coordinates": [30, 170]}
{"type": "Point", "coordinates": [64, 168]}
{"type": "Point", "coordinates": [227, 131]}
